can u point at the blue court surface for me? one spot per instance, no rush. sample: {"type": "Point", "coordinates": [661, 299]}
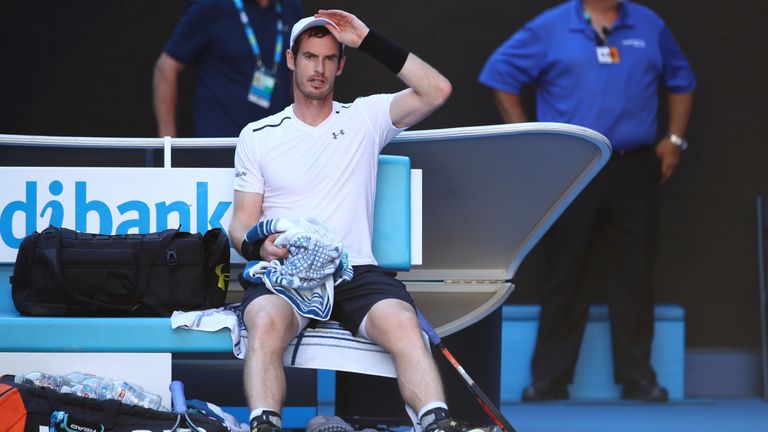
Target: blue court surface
{"type": "Point", "coordinates": [691, 415]}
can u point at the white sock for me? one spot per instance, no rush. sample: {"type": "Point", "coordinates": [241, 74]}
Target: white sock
{"type": "Point", "coordinates": [431, 405]}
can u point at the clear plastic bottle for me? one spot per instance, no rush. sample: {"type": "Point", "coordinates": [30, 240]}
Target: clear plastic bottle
{"type": "Point", "coordinates": [41, 379]}
{"type": "Point", "coordinates": [81, 390]}
{"type": "Point", "coordinates": [130, 394]}
{"type": "Point", "coordinates": [83, 378]}
{"type": "Point", "coordinates": [83, 384]}
{"type": "Point", "coordinates": [94, 386]}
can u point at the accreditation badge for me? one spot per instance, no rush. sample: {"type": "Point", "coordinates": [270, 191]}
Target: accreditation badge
{"type": "Point", "coordinates": [607, 55]}
{"type": "Point", "coordinates": [261, 88]}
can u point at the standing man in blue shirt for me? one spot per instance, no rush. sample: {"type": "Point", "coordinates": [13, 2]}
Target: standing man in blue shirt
{"type": "Point", "coordinates": [238, 48]}
{"type": "Point", "coordinates": [599, 64]}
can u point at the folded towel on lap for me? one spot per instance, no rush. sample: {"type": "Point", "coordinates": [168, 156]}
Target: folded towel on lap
{"type": "Point", "coordinates": [315, 264]}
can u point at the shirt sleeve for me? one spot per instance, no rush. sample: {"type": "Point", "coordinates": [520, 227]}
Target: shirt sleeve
{"type": "Point", "coordinates": [376, 109]}
{"type": "Point", "coordinates": [516, 63]}
{"type": "Point", "coordinates": [191, 33]}
{"type": "Point", "coordinates": [248, 177]}
{"type": "Point", "coordinates": [677, 73]}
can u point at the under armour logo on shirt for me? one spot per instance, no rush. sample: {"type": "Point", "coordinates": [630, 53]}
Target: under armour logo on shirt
{"type": "Point", "coordinates": [338, 134]}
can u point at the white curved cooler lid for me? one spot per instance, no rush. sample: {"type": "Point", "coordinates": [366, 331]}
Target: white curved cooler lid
{"type": "Point", "coordinates": [489, 194]}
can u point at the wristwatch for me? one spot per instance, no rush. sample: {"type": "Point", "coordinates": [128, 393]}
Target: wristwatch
{"type": "Point", "coordinates": [680, 142]}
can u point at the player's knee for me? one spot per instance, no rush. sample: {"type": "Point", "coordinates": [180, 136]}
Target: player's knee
{"type": "Point", "coordinates": [406, 325]}
{"type": "Point", "coordinates": [266, 324]}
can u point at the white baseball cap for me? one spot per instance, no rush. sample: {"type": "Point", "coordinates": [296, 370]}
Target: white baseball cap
{"type": "Point", "coordinates": [306, 23]}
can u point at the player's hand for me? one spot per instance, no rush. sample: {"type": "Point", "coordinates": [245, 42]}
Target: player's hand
{"type": "Point", "coordinates": [351, 31]}
{"type": "Point", "coordinates": [271, 252]}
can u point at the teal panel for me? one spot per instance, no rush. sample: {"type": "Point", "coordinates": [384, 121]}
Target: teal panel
{"type": "Point", "coordinates": [593, 378]}
{"type": "Point", "coordinates": [70, 334]}
{"type": "Point", "coordinates": [392, 213]}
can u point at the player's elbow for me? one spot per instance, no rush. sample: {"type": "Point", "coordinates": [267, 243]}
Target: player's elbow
{"type": "Point", "coordinates": [442, 90]}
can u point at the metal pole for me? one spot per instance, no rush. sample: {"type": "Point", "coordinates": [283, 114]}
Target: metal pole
{"type": "Point", "coordinates": [763, 295]}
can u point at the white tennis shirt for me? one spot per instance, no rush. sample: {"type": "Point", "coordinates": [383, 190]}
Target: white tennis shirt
{"type": "Point", "coordinates": [327, 172]}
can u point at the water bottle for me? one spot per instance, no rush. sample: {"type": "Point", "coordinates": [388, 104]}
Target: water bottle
{"type": "Point", "coordinates": [84, 378]}
{"type": "Point", "coordinates": [134, 395]}
{"type": "Point", "coordinates": [83, 384]}
{"type": "Point", "coordinates": [150, 400]}
{"type": "Point", "coordinates": [81, 390]}
{"type": "Point", "coordinates": [40, 379]}
{"type": "Point", "coordinates": [130, 394]}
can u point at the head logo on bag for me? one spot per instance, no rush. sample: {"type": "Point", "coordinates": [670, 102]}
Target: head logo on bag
{"type": "Point", "coordinates": [62, 422]}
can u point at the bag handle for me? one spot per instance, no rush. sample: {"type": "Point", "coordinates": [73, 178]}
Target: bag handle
{"type": "Point", "coordinates": [219, 246]}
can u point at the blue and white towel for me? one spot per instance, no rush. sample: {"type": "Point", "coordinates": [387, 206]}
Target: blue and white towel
{"type": "Point", "coordinates": [306, 278]}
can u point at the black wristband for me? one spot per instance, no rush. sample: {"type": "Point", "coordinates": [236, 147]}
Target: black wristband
{"type": "Point", "coordinates": [389, 53]}
{"type": "Point", "coordinates": [251, 250]}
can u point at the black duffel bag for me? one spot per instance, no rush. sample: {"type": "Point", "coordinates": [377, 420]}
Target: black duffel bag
{"type": "Point", "coordinates": [31, 408]}
{"type": "Point", "coordinates": [61, 272]}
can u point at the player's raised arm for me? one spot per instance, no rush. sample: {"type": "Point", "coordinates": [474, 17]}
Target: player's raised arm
{"type": "Point", "coordinates": [428, 88]}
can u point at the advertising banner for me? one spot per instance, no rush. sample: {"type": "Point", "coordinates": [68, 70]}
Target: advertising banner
{"type": "Point", "coordinates": [111, 201]}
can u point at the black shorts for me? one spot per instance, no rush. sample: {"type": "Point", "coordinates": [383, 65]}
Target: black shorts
{"type": "Point", "coordinates": [352, 300]}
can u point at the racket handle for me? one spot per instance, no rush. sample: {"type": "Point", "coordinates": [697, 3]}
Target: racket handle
{"type": "Point", "coordinates": [177, 397]}
{"type": "Point", "coordinates": [434, 338]}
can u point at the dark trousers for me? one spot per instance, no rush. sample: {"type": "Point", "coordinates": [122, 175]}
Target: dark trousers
{"type": "Point", "coordinates": [621, 203]}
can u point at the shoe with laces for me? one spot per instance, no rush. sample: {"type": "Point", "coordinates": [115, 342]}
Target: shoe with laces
{"type": "Point", "coordinates": [438, 420]}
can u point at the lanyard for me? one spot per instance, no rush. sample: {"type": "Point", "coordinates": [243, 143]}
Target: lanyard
{"type": "Point", "coordinates": [252, 37]}
{"type": "Point", "coordinates": [601, 38]}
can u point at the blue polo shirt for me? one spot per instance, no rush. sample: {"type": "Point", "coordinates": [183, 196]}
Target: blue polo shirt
{"type": "Point", "coordinates": [556, 52]}
{"type": "Point", "coordinates": [211, 38]}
